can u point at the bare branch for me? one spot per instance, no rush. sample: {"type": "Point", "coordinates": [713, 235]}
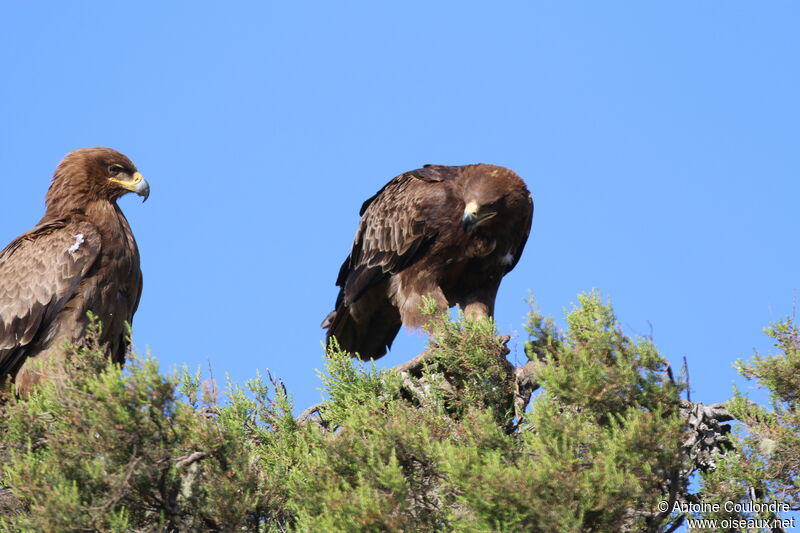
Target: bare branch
{"type": "Point", "coordinates": [308, 413]}
{"type": "Point", "coordinates": [186, 460]}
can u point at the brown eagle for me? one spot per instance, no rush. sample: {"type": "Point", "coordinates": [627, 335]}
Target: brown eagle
{"type": "Point", "coordinates": [80, 257]}
{"type": "Point", "coordinates": [449, 232]}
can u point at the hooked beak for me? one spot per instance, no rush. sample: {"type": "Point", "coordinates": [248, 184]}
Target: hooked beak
{"type": "Point", "coordinates": [137, 184]}
{"type": "Point", "coordinates": [473, 217]}
{"type": "Point", "coordinates": [468, 222]}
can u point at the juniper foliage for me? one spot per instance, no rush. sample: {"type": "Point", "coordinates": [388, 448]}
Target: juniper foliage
{"type": "Point", "coordinates": [764, 464]}
{"type": "Point", "coordinates": [444, 448]}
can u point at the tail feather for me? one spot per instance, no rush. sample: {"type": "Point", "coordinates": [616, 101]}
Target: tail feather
{"type": "Point", "coordinates": [367, 340]}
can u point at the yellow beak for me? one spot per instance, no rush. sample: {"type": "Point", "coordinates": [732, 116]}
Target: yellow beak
{"type": "Point", "coordinates": [473, 217]}
{"type": "Point", "coordinates": [137, 184]}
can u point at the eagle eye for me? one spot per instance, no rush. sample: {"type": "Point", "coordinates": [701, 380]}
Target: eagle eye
{"type": "Point", "coordinates": [113, 170]}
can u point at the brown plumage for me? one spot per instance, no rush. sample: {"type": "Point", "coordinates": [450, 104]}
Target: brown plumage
{"type": "Point", "coordinates": [80, 257]}
{"type": "Point", "coordinates": [451, 233]}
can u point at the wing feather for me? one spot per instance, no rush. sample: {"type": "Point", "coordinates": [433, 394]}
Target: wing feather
{"type": "Point", "coordinates": [523, 236]}
{"type": "Point", "coordinates": [39, 273]}
{"type": "Point", "coordinates": [393, 232]}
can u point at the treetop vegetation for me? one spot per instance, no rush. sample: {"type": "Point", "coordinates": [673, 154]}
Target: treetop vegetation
{"type": "Point", "coordinates": [592, 433]}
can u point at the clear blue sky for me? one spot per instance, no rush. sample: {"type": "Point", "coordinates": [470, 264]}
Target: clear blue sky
{"type": "Point", "coordinates": [660, 141]}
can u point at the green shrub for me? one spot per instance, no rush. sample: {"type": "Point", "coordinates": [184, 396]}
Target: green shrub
{"type": "Point", "coordinates": [436, 448]}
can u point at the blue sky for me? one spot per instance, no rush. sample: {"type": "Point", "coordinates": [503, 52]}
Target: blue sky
{"type": "Point", "coordinates": [660, 141]}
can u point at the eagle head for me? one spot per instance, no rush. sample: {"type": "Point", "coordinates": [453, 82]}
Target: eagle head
{"type": "Point", "coordinates": [92, 174]}
{"type": "Point", "coordinates": [492, 196]}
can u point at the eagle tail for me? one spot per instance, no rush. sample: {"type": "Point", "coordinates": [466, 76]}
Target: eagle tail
{"type": "Point", "coordinates": [365, 341]}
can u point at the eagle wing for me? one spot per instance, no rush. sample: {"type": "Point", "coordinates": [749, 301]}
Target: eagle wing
{"type": "Point", "coordinates": [393, 232]}
{"type": "Point", "coordinates": [39, 273]}
{"type": "Point", "coordinates": [522, 237]}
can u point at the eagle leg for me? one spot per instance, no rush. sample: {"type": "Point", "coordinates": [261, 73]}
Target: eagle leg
{"type": "Point", "coordinates": [477, 310]}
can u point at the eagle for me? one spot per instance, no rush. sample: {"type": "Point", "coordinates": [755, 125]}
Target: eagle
{"type": "Point", "coordinates": [447, 232]}
{"type": "Point", "coordinates": [81, 257]}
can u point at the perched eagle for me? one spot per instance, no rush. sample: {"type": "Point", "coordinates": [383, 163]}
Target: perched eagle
{"type": "Point", "coordinates": [80, 257]}
{"type": "Point", "coordinates": [448, 232]}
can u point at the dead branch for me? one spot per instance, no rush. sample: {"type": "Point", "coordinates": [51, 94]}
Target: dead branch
{"type": "Point", "coordinates": [308, 413]}
{"type": "Point", "coordinates": [706, 433]}
{"type": "Point", "coordinates": [186, 460]}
